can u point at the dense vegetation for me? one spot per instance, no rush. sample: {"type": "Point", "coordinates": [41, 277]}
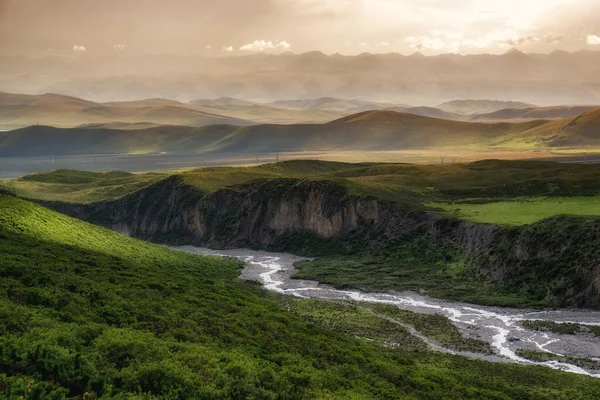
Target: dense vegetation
{"type": "Point", "coordinates": [544, 356]}
{"type": "Point", "coordinates": [415, 264]}
{"type": "Point", "coordinates": [385, 324]}
{"type": "Point", "coordinates": [567, 328]}
{"type": "Point", "coordinates": [85, 312]}
{"type": "Point", "coordinates": [547, 264]}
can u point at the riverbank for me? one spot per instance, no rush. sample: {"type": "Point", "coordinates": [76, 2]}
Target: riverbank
{"type": "Point", "coordinates": [502, 328]}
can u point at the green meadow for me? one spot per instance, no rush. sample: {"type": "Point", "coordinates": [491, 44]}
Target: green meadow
{"type": "Point", "coordinates": [521, 211]}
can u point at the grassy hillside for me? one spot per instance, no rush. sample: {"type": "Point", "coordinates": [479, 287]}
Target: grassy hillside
{"type": "Point", "coordinates": [88, 313]}
{"type": "Point", "coordinates": [85, 187]}
{"type": "Point", "coordinates": [79, 186]}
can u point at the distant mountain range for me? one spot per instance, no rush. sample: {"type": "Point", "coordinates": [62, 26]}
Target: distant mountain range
{"type": "Point", "coordinates": [370, 130]}
{"type": "Point", "coordinates": [543, 79]}
{"type": "Point", "coordinates": [65, 111]}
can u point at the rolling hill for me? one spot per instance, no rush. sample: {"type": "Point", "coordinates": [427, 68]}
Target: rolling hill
{"type": "Point", "coordinates": [469, 107]}
{"type": "Point", "coordinates": [533, 113]}
{"type": "Point", "coordinates": [266, 114]}
{"type": "Point", "coordinates": [332, 103]}
{"type": "Point", "coordinates": [66, 111]}
{"type": "Point", "coordinates": [431, 112]}
{"type": "Point", "coordinates": [222, 103]}
{"type": "Point", "coordinates": [371, 130]}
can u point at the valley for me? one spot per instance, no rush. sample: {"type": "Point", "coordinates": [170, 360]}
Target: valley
{"type": "Point", "coordinates": [299, 200]}
{"type": "Point", "coordinates": [124, 317]}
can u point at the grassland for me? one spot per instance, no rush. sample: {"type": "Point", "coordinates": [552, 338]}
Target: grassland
{"type": "Point", "coordinates": [521, 211]}
{"type": "Point", "coordinates": [85, 312]}
{"type": "Point", "coordinates": [79, 186]}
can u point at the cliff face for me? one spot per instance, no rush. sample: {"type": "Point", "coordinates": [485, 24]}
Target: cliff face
{"type": "Point", "coordinates": [258, 214]}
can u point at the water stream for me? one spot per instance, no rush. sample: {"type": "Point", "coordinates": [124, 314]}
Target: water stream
{"type": "Point", "coordinates": [501, 327]}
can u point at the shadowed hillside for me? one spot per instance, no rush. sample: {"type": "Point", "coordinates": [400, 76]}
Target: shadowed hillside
{"type": "Point", "coordinates": [370, 130]}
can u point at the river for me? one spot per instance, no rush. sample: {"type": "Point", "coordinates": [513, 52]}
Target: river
{"type": "Point", "coordinates": [501, 327]}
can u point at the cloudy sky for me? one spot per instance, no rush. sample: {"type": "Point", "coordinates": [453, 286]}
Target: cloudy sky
{"type": "Point", "coordinates": [203, 27]}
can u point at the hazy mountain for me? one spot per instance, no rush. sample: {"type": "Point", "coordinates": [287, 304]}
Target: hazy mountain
{"type": "Point", "coordinates": [222, 103]}
{"type": "Point", "coordinates": [431, 112]}
{"type": "Point", "coordinates": [156, 102]}
{"type": "Point", "coordinates": [65, 111]}
{"type": "Point", "coordinates": [267, 113]}
{"type": "Point", "coordinates": [372, 130]}
{"type": "Point", "coordinates": [565, 78]}
{"type": "Point", "coordinates": [331, 103]}
{"type": "Point", "coordinates": [534, 113]}
{"type": "Point", "coordinates": [469, 107]}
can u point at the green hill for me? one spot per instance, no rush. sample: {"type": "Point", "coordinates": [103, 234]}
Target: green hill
{"type": "Point", "coordinates": [85, 312]}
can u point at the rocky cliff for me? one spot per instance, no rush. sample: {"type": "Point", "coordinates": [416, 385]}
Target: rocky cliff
{"type": "Point", "coordinates": [286, 213]}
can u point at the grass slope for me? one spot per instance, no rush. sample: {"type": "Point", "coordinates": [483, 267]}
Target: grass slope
{"type": "Point", "coordinates": [88, 313]}
{"type": "Point", "coordinates": [522, 211]}
{"type": "Point", "coordinates": [80, 186]}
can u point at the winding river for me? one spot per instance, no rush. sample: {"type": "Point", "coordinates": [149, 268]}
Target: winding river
{"type": "Point", "coordinates": [501, 327]}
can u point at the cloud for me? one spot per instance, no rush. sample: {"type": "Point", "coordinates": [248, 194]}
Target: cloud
{"type": "Point", "coordinates": [119, 47]}
{"type": "Point", "coordinates": [227, 49]}
{"type": "Point", "coordinates": [593, 40]}
{"type": "Point", "coordinates": [77, 47]}
{"type": "Point", "coordinates": [208, 47]}
{"type": "Point", "coordinates": [385, 44]}
{"type": "Point", "coordinates": [263, 46]}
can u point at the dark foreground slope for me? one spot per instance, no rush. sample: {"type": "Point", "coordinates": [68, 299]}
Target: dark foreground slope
{"type": "Point", "coordinates": [551, 263]}
{"type": "Point", "coordinates": [87, 313]}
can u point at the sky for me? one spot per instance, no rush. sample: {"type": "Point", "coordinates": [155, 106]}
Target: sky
{"type": "Point", "coordinates": [233, 27]}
